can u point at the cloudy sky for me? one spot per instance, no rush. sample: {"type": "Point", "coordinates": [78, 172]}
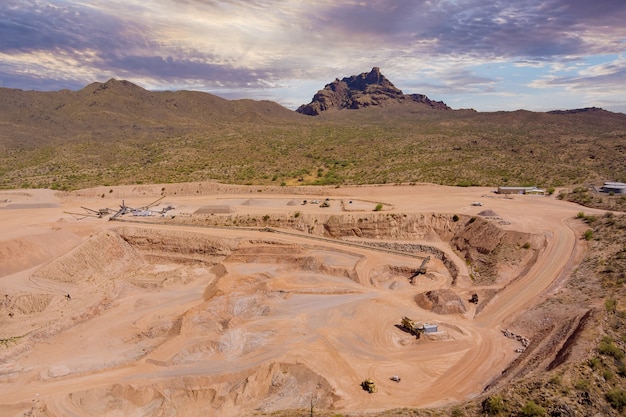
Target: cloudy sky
{"type": "Point", "coordinates": [484, 54]}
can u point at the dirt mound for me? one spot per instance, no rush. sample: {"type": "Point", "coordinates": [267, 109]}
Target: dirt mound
{"type": "Point", "coordinates": [176, 244]}
{"type": "Point", "coordinates": [488, 213]}
{"type": "Point", "coordinates": [26, 252]}
{"type": "Point", "coordinates": [216, 209]}
{"type": "Point", "coordinates": [495, 254]}
{"type": "Point", "coordinates": [444, 301]}
{"type": "Point", "coordinates": [26, 303]}
{"type": "Point", "coordinates": [102, 257]}
{"type": "Point", "coordinates": [266, 388]}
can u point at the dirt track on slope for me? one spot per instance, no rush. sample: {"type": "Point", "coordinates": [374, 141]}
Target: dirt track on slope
{"type": "Point", "coordinates": [101, 317]}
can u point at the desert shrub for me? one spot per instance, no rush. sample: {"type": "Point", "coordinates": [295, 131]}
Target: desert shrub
{"type": "Point", "coordinates": [526, 245]}
{"type": "Point", "coordinates": [493, 405]}
{"type": "Point", "coordinates": [379, 207]}
{"type": "Point", "coordinates": [583, 384]}
{"type": "Point", "coordinates": [530, 409]}
{"type": "Point", "coordinates": [455, 218]}
{"type": "Point", "coordinates": [588, 235]}
{"type": "Point", "coordinates": [556, 380]}
{"type": "Point", "coordinates": [594, 363]}
{"type": "Point", "coordinates": [617, 398]}
{"type": "Point", "coordinates": [608, 348]}
{"type": "Point", "coordinates": [456, 412]}
{"type": "Point", "coordinates": [610, 305]}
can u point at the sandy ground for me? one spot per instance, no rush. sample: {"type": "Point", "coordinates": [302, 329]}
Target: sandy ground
{"type": "Point", "coordinates": [255, 326]}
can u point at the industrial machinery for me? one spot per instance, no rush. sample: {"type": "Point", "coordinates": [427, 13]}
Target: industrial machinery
{"type": "Point", "coordinates": [415, 329]}
{"type": "Point", "coordinates": [369, 386]}
{"type": "Point", "coordinates": [421, 270]}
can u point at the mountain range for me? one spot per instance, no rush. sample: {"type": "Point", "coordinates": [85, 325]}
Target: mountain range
{"type": "Point", "coordinates": [363, 130]}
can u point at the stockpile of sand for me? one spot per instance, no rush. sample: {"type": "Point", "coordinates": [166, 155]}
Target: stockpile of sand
{"type": "Point", "coordinates": [102, 257]}
{"type": "Point", "coordinates": [278, 385]}
{"type": "Point", "coordinates": [443, 301]}
{"type": "Point", "coordinates": [216, 209]}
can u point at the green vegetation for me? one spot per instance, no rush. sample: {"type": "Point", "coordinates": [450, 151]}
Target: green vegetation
{"type": "Point", "coordinates": [249, 144]}
{"type": "Point", "coordinates": [617, 399]}
{"type": "Point", "coordinates": [378, 207]}
{"type": "Point", "coordinates": [530, 409]}
{"type": "Point", "coordinates": [586, 197]}
{"type": "Point", "coordinates": [494, 405]}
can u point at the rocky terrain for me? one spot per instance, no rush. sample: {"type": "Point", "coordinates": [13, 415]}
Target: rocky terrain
{"type": "Point", "coordinates": [360, 91]}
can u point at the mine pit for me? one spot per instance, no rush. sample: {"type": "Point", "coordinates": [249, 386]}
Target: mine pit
{"type": "Point", "coordinates": [229, 320]}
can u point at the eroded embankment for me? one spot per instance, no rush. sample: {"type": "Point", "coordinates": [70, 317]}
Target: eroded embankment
{"type": "Point", "coordinates": [493, 254]}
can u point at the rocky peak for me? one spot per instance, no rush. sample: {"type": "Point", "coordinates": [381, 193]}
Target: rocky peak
{"type": "Point", "coordinates": [363, 90]}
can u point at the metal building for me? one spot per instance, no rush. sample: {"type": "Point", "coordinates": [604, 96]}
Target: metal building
{"type": "Point", "coordinates": [521, 190]}
{"type": "Point", "coordinates": [614, 187]}
{"type": "Point", "coordinates": [430, 328]}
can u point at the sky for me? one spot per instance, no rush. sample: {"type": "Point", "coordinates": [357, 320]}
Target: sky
{"type": "Point", "coordinates": [487, 55]}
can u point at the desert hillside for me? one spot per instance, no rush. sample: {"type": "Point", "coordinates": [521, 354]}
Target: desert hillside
{"type": "Point", "coordinates": [369, 132]}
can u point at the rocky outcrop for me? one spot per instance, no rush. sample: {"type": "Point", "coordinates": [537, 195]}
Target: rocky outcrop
{"type": "Point", "coordinates": [363, 90]}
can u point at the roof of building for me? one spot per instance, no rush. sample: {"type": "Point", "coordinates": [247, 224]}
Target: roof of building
{"type": "Point", "coordinates": [610, 184]}
{"type": "Point", "coordinates": [517, 188]}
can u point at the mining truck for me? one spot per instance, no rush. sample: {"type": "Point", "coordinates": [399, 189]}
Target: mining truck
{"type": "Point", "coordinates": [369, 386]}
{"type": "Point", "coordinates": [411, 327]}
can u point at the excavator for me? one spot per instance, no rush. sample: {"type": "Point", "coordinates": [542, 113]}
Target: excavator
{"type": "Point", "coordinates": [421, 270]}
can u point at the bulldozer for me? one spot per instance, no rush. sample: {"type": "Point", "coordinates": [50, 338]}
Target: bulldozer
{"type": "Point", "coordinates": [369, 386]}
{"type": "Point", "coordinates": [409, 325]}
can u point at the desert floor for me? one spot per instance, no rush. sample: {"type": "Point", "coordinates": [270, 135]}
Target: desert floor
{"type": "Point", "coordinates": [266, 321]}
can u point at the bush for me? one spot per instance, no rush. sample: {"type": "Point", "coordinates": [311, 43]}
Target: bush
{"type": "Point", "coordinates": [617, 398]}
{"type": "Point", "coordinates": [594, 363]}
{"type": "Point", "coordinates": [588, 234]}
{"type": "Point", "coordinates": [456, 412]}
{"type": "Point", "coordinates": [379, 207]}
{"type": "Point", "coordinates": [455, 218]}
{"type": "Point", "coordinates": [610, 305]}
{"type": "Point", "coordinates": [530, 409]}
{"type": "Point", "coordinates": [493, 405]}
{"type": "Point", "coordinates": [608, 348]}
